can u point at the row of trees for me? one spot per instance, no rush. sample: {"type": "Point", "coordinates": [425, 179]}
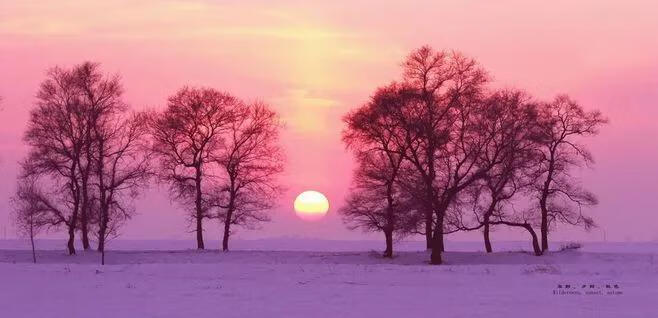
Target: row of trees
{"type": "Point", "coordinates": [90, 156]}
{"type": "Point", "coordinates": [440, 151]}
{"type": "Point", "coordinates": [437, 152]}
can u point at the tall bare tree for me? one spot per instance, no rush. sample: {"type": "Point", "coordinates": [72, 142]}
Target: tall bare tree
{"type": "Point", "coordinates": [187, 136]}
{"type": "Point", "coordinates": [76, 132]}
{"type": "Point", "coordinates": [56, 139]}
{"type": "Point", "coordinates": [373, 132]}
{"type": "Point", "coordinates": [101, 98]}
{"type": "Point", "coordinates": [250, 159]}
{"type": "Point", "coordinates": [562, 123]}
{"type": "Point", "coordinates": [511, 118]}
{"type": "Point", "coordinates": [447, 144]}
{"type": "Point", "coordinates": [121, 168]}
{"type": "Point", "coordinates": [430, 73]}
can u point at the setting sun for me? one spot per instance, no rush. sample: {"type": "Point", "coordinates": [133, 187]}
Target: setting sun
{"type": "Point", "coordinates": [311, 205]}
{"type": "Point", "coordinates": [151, 149]}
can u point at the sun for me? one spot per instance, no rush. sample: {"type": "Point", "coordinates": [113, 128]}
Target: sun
{"type": "Point", "coordinates": [311, 205]}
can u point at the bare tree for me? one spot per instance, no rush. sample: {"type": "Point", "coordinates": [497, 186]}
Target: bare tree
{"type": "Point", "coordinates": [115, 153]}
{"type": "Point", "coordinates": [377, 201]}
{"type": "Point", "coordinates": [430, 73]}
{"type": "Point", "coordinates": [562, 122]}
{"type": "Point", "coordinates": [56, 137]}
{"type": "Point", "coordinates": [30, 216]}
{"type": "Point", "coordinates": [448, 141]}
{"type": "Point", "coordinates": [187, 136]}
{"type": "Point", "coordinates": [121, 165]}
{"type": "Point", "coordinates": [250, 159]}
{"type": "Point", "coordinates": [511, 119]}
{"type": "Point", "coordinates": [77, 115]}
{"type": "Point", "coordinates": [100, 96]}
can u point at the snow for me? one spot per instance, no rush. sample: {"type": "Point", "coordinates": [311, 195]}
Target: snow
{"type": "Point", "coordinates": [302, 278]}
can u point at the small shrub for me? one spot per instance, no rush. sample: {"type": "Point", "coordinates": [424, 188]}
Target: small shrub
{"type": "Point", "coordinates": [542, 269]}
{"type": "Point", "coordinates": [571, 246]}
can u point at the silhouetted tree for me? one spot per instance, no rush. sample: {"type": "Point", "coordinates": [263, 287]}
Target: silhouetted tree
{"type": "Point", "coordinates": [250, 159]}
{"type": "Point", "coordinates": [428, 71]}
{"type": "Point", "coordinates": [507, 158]}
{"type": "Point", "coordinates": [56, 138]}
{"type": "Point", "coordinates": [100, 95]}
{"type": "Point", "coordinates": [560, 198]}
{"type": "Point", "coordinates": [375, 203]}
{"type": "Point", "coordinates": [30, 215]}
{"type": "Point", "coordinates": [187, 136]}
{"type": "Point", "coordinates": [448, 141]}
{"type": "Point", "coordinates": [84, 149]}
{"type": "Point", "coordinates": [122, 167]}
{"type": "Point", "coordinates": [375, 136]}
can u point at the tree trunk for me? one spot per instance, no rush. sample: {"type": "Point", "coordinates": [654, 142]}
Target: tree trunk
{"type": "Point", "coordinates": [429, 216]}
{"type": "Point", "coordinates": [199, 234]}
{"type": "Point", "coordinates": [104, 222]}
{"type": "Point", "coordinates": [227, 221]}
{"type": "Point", "coordinates": [487, 241]}
{"type": "Point", "coordinates": [390, 219]}
{"type": "Point", "coordinates": [543, 201]}
{"type": "Point", "coordinates": [227, 233]}
{"type": "Point", "coordinates": [84, 214]}
{"type": "Point", "coordinates": [101, 235]}
{"type": "Point", "coordinates": [437, 243]}
{"type": "Point", "coordinates": [437, 238]}
{"type": "Point", "coordinates": [544, 217]}
{"type": "Point", "coordinates": [428, 228]}
{"type": "Point", "coordinates": [101, 238]}
{"type": "Point", "coordinates": [487, 224]}
{"type": "Point", "coordinates": [233, 193]}
{"type": "Point", "coordinates": [69, 244]}
{"type": "Point", "coordinates": [535, 242]}
{"type": "Point", "coordinates": [199, 210]}
{"type": "Point", "coordinates": [388, 253]}
{"type": "Point", "coordinates": [435, 258]}
{"type": "Point", "coordinates": [34, 254]}
{"type": "Point", "coordinates": [85, 233]}
{"type": "Point", "coordinates": [440, 242]}
{"type": "Point", "coordinates": [73, 222]}
{"type": "Point", "coordinates": [544, 230]}
{"type": "Point", "coordinates": [104, 212]}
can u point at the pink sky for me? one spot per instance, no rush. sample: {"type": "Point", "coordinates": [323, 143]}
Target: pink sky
{"type": "Point", "coordinates": [313, 62]}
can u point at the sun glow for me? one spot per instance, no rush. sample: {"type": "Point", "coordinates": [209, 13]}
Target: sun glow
{"type": "Point", "coordinates": [311, 205]}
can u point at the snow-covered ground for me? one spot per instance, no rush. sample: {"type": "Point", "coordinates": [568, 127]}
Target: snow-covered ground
{"type": "Point", "coordinates": [313, 278]}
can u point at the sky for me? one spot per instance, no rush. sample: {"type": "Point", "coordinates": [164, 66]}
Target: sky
{"type": "Point", "coordinates": [313, 62]}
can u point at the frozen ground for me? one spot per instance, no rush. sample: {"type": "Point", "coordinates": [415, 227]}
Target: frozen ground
{"type": "Point", "coordinates": [287, 278]}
